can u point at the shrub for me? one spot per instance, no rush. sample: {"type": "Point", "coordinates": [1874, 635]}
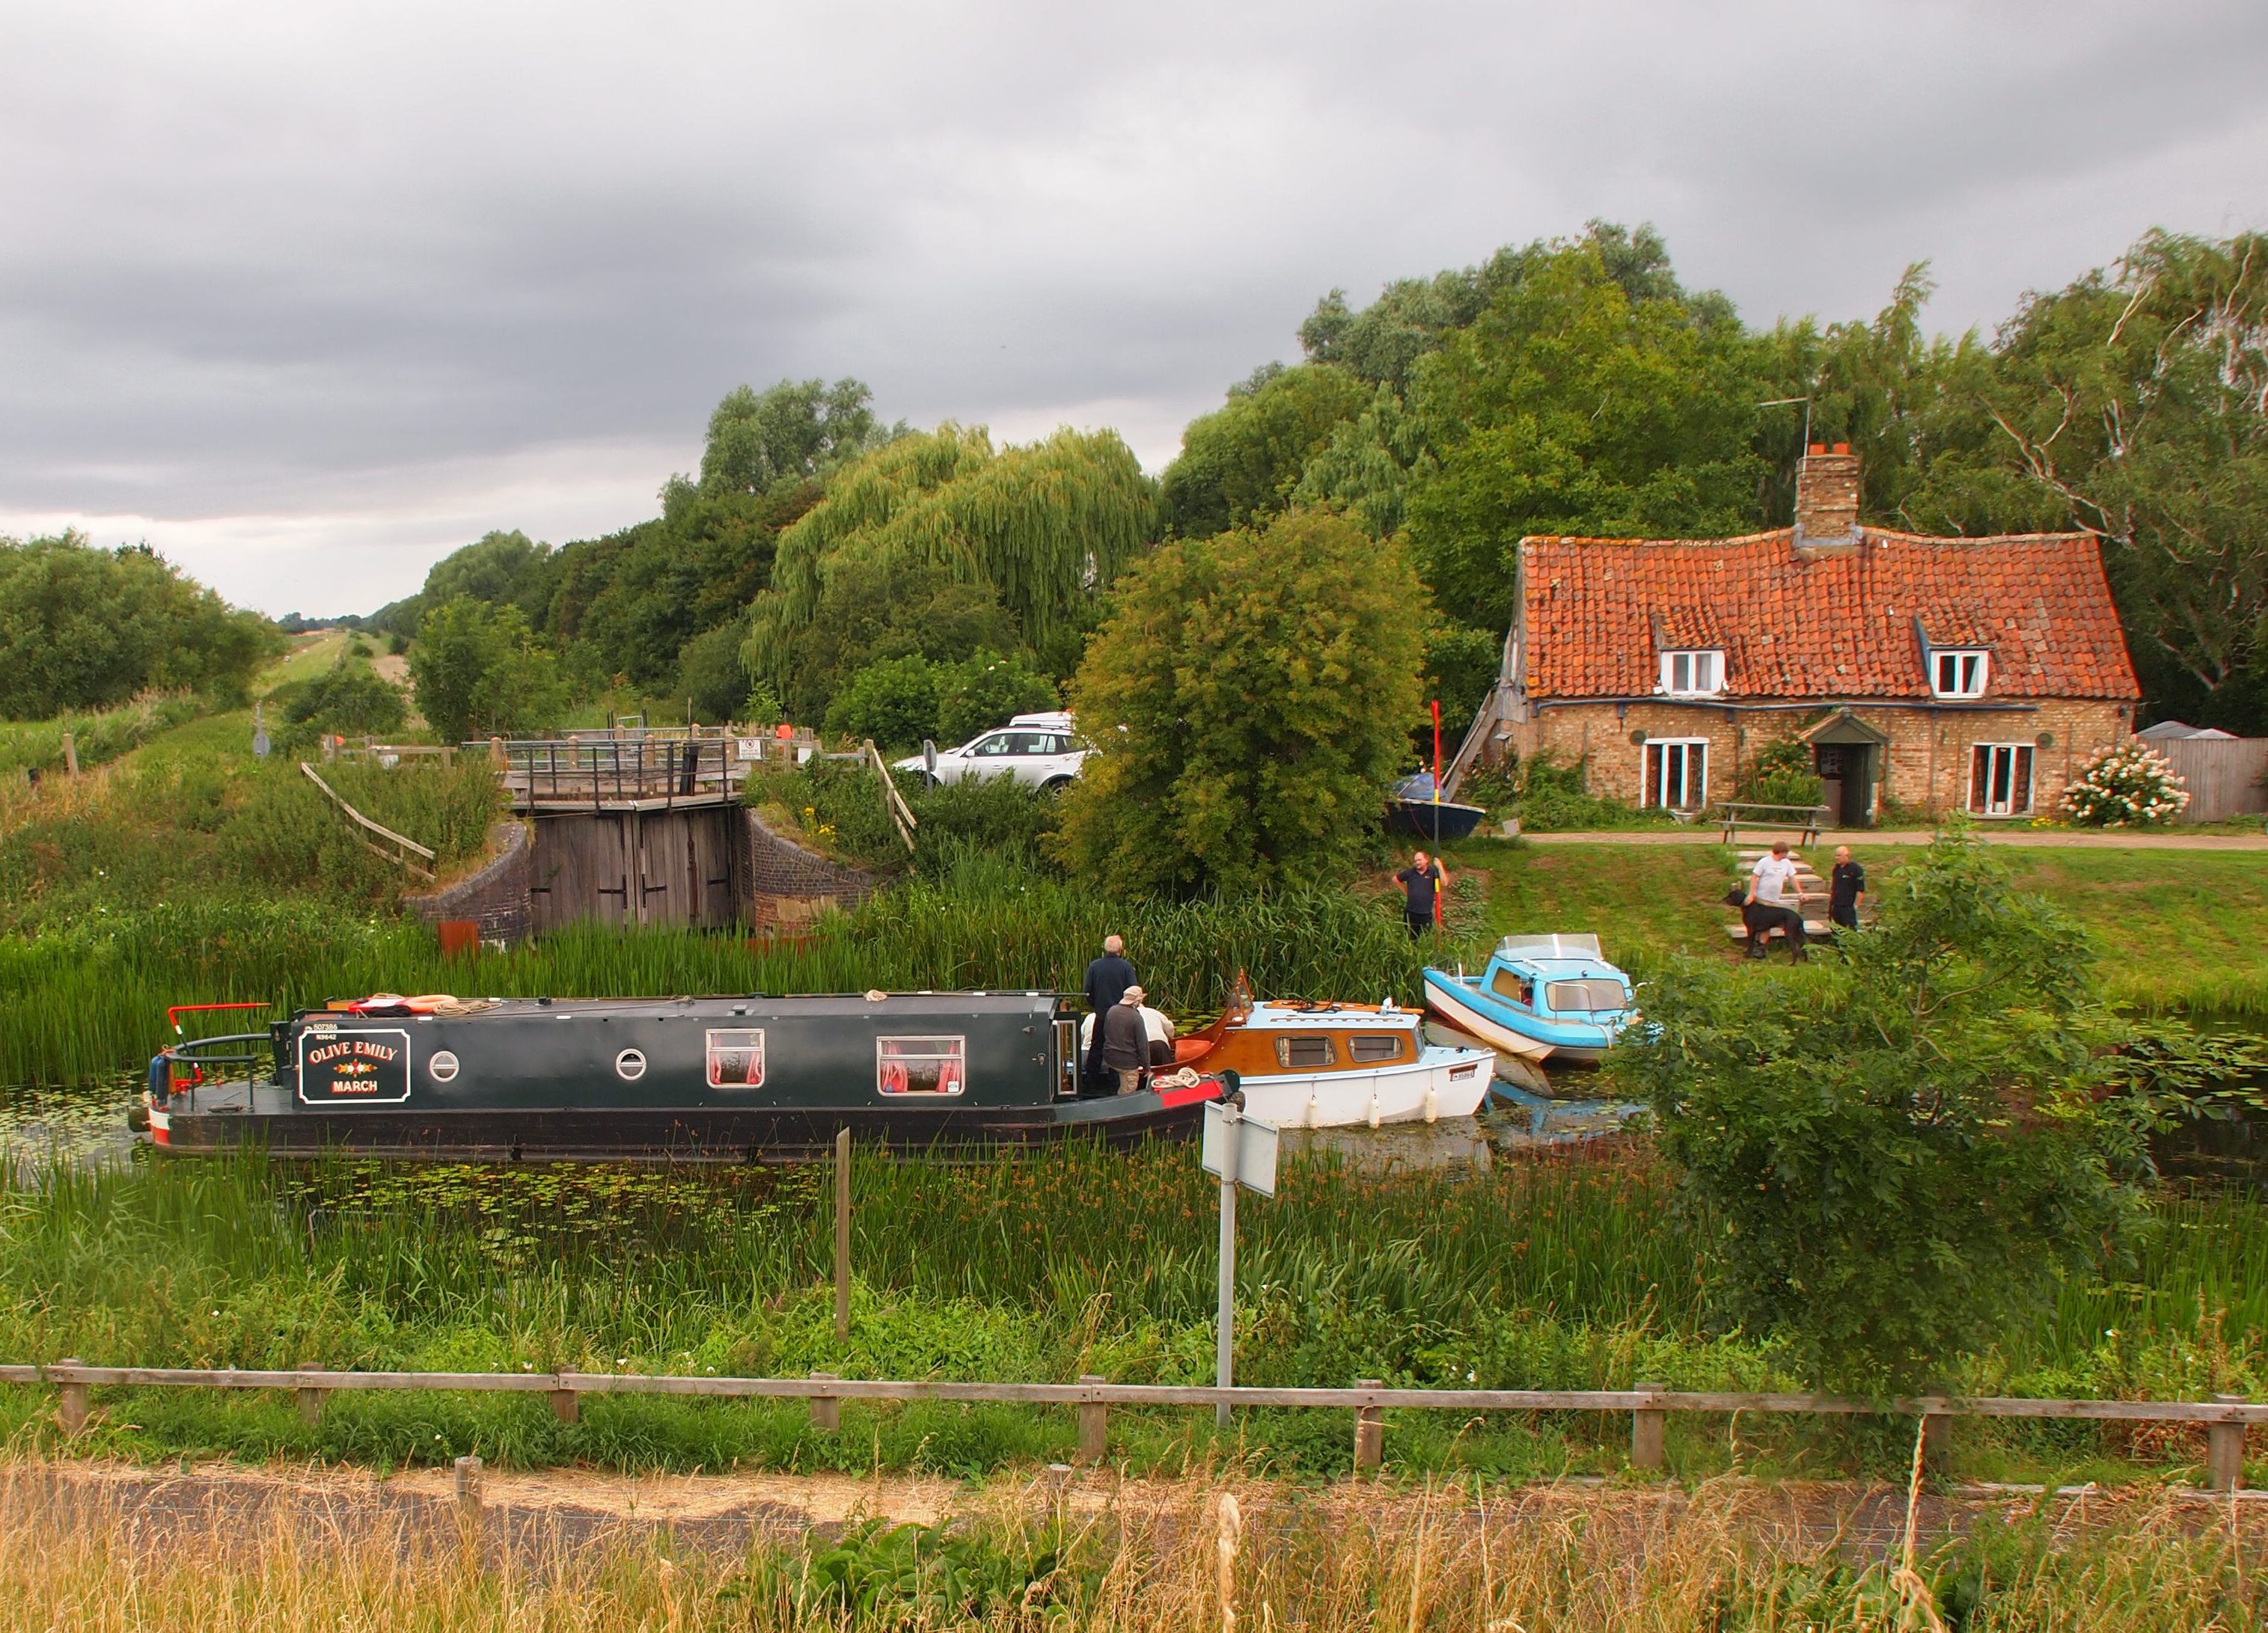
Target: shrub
{"type": "Point", "coordinates": [479, 669]}
{"type": "Point", "coordinates": [1905, 1157]}
{"type": "Point", "coordinates": [894, 702]}
{"type": "Point", "coordinates": [1252, 694]}
{"type": "Point", "coordinates": [345, 698]}
{"type": "Point", "coordinates": [987, 690]}
{"type": "Point", "coordinates": [2130, 785]}
{"type": "Point", "coordinates": [1780, 773]}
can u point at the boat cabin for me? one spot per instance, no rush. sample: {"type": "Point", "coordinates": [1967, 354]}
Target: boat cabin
{"type": "Point", "coordinates": [1262, 1038]}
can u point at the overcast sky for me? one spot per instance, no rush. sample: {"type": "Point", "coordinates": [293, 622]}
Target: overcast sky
{"type": "Point", "coordinates": [307, 295]}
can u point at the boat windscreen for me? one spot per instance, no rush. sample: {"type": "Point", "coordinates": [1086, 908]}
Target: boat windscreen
{"type": "Point", "coordinates": [1591, 995]}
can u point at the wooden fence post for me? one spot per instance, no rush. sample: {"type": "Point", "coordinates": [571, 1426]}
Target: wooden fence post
{"type": "Point", "coordinates": [468, 1501]}
{"type": "Point", "coordinates": [311, 1400]}
{"type": "Point", "coordinates": [566, 1406]}
{"type": "Point", "coordinates": [1094, 1424]}
{"type": "Point", "coordinates": [2224, 1450]}
{"type": "Point", "coordinates": [843, 1235]}
{"type": "Point", "coordinates": [70, 753]}
{"type": "Point", "coordinates": [1369, 1430]}
{"type": "Point", "coordinates": [1647, 1424]}
{"type": "Point", "coordinates": [827, 1409]}
{"type": "Point", "coordinates": [70, 1409]}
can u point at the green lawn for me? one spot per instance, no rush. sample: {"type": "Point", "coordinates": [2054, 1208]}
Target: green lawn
{"type": "Point", "coordinates": [2179, 929]}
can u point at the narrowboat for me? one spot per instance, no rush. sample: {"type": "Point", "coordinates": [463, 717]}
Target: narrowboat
{"type": "Point", "coordinates": [1541, 997]}
{"type": "Point", "coordinates": [750, 1079]}
{"type": "Point", "coordinates": [1303, 1065]}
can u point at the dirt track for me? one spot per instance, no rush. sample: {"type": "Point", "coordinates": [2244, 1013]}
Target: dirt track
{"type": "Point", "coordinates": [533, 1515]}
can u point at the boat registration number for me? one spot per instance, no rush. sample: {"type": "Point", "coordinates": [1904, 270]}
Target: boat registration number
{"type": "Point", "coordinates": [344, 1067]}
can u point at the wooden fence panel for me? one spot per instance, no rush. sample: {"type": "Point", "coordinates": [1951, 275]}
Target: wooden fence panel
{"type": "Point", "coordinates": [2223, 775]}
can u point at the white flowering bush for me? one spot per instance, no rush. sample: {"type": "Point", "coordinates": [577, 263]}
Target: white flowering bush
{"type": "Point", "coordinates": [2129, 786]}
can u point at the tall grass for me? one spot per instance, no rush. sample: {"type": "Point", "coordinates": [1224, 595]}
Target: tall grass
{"type": "Point", "coordinates": [80, 1553]}
{"type": "Point", "coordinates": [82, 999]}
{"type": "Point", "coordinates": [97, 735]}
{"type": "Point", "coordinates": [1542, 1273]}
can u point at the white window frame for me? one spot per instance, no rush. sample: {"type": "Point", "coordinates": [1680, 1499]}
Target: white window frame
{"type": "Point", "coordinates": [958, 1053]}
{"type": "Point", "coordinates": [2023, 807]}
{"type": "Point", "coordinates": [1970, 667]}
{"type": "Point", "coordinates": [1650, 792]}
{"type": "Point", "coordinates": [1699, 661]}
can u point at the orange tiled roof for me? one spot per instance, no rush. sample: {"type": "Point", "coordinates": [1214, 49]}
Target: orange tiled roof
{"type": "Point", "coordinates": [1600, 611]}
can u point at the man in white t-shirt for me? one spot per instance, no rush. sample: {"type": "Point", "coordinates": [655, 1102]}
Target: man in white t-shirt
{"type": "Point", "coordinates": [1773, 903]}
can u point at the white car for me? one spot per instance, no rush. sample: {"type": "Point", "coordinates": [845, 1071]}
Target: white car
{"type": "Point", "coordinates": [1039, 751]}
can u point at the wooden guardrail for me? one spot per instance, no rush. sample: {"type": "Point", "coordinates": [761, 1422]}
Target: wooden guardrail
{"type": "Point", "coordinates": [405, 847]}
{"type": "Point", "coordinates": [2226, 1418]}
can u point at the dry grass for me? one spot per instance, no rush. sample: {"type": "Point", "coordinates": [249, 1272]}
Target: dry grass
{"type": "Point", "coordinates": [92, 1554]}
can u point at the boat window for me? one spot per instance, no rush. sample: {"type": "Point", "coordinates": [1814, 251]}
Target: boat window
{"type": "Point", "coordinates": [1067, 1055]}
{"type": "Point", "coordinates": [1303, 1051]}
{"type": "Point", "coordinates": [1375, 1047]}
{"type": "Point", "coordinates": [1593, 994]}
{"type": "Point", "coordinates": [736, 1059]}
{"type": "Point", "coordinates": [921, 1065]}
{"type": "Point", "coordinates": [1511, 984]}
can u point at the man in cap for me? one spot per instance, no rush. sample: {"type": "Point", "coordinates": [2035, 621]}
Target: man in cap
{"type": "Point", "coordinates": [1125, 1039]}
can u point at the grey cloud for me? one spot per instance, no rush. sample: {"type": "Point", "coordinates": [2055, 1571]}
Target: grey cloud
{"type": "Point", "coordinates": [309, 294]}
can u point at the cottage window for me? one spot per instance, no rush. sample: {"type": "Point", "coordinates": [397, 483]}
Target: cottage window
{"type": "Point", "coordinates": [2000, 779]}
{"type": "Point", "coordinates": [921, 1065]}
{"type": "Point", "coordinates": [1699, 674]}
{"type": "Point", "coordinates": [1676, 775]}
{"type": "Point", "coordinates": [1958, 673]}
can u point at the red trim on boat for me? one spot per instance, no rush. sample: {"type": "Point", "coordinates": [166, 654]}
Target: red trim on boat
{"type": "Point", "coordinates": [1209, 1090]}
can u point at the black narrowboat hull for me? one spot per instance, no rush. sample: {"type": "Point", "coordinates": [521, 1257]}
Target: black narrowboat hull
{"type": "Point", "coordinates": [690, 1079]}
{"type": "Point", "coordinates": [689, 1134]}
{"type": "Point", "coordinates": [1428, 820]}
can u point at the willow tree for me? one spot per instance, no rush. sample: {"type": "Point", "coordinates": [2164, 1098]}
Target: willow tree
{"type": "Point", "coordinates": [1044, 528]}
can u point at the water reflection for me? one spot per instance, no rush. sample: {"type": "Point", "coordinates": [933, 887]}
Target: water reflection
{"type": "Point", "coordinates": [81, 1126]}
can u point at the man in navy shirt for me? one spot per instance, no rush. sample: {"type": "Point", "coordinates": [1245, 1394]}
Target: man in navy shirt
{"type": "Point", "coordinates": [1846, 890]}
{"type": "Point", "coordinates": [1108, 978]}
{"type": "Point", "coordinates": [1421, 882]}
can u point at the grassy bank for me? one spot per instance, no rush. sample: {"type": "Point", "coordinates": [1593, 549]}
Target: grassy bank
{"type": "Point", "coordinates": [2181, 930]}
{"type": "Point", "coordinates": [1537, 1274]}
{"type": "Point", "coordinates": [78, 1553]}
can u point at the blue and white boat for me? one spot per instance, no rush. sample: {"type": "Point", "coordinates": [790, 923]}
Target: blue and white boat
{"type": "Point", "coordinates": [1541, 997]}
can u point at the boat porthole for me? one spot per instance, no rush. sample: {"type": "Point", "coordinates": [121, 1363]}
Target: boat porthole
{"type": "Point", "coordinates": [443, 1066]}
{"type": "Point", "coordinates": [629, 1066]}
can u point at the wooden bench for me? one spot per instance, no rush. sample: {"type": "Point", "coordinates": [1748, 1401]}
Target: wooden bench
{"type": "Point", "coordinates": [1803, 820]}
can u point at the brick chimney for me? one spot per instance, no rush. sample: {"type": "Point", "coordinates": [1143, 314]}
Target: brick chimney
{"type": "Point", "coordinates": [1827, 501]}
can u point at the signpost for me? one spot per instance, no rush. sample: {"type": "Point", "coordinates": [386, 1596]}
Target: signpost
{"type": "Point", "coordinates": [1241, 1150]}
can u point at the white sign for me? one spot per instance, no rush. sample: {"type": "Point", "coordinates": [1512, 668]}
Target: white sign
{"type": "Point", "coordinates": [750, 747]}
{"type": "Point", "coordinates": [1254, 1144]}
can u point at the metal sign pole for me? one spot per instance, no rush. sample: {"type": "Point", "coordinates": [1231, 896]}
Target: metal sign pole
{"type": "Point", "coordinates": [1231, 1133]}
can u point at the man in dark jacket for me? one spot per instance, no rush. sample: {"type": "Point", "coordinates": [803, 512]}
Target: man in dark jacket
{"type": "Point", "coordinates": [1106, 981]}
{"type": "Point", "coordinates": [1125, 1039]}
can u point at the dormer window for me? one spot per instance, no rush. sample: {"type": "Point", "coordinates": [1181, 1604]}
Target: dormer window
{"type": "Point", "coordinates": [1958, 671]}
{"type": "Point", "coordinates": [1696, 674]}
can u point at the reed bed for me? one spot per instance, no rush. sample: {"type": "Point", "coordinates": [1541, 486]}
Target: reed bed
{"type": "Point", "coordinates": [87, 998]}
{"type": "Point", "coordinates": [107, 1556]}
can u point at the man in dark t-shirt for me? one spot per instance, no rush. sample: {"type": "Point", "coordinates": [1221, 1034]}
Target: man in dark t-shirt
{"type": "Point", "coordinates": [1846, 890]}
{"type": "Point", "coordinates": [1421, 882]}
{"type": "Point", "coordinates": [1108, 978]}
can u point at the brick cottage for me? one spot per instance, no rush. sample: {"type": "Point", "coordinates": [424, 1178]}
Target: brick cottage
{"type": "Point", "coordinates": [1940, 674]}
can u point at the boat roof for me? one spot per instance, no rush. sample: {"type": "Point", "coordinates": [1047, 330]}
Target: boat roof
{"type": "Point", "coordinates": [755, 1005]}
{"type": "Point", "coordinates": [1549, 946]}
{"type": "Point", "coordinates": [1278, 1012]}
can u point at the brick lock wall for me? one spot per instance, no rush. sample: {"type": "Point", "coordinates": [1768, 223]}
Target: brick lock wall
{"type": "Point", "coordinates": [1927, 760]}
{"type": "Point", "coordinates": [496, 898]}
{"type": "Point", "coordinates": [789, 884]}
